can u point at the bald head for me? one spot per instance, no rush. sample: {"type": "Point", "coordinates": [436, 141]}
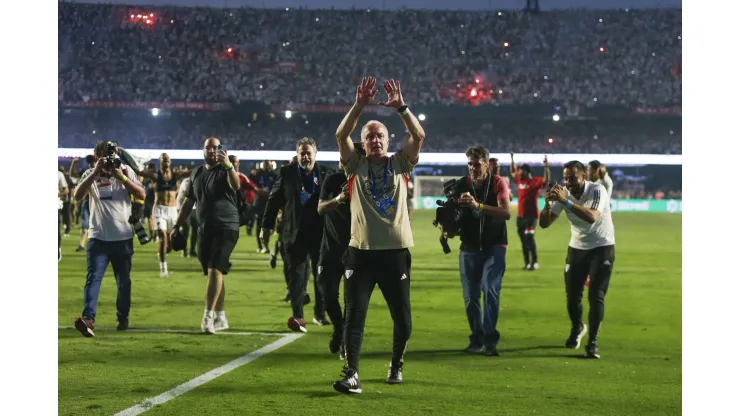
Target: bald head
{"type": "Point", "coordinates": [375, 138]}
{"type": "Point", "coordinates": [210, 148]}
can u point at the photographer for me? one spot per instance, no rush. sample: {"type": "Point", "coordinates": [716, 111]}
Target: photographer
{"type": "Point", "coordinates": [485, 208]}
{"type": "Point", "coordinates": [110, 187]}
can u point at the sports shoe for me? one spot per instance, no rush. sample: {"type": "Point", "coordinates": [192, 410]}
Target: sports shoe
{"type": "Point", "coordinates": [395, 375]}
{"type": "Point", "coordinates": [273, 260]}
{"type": "Point", "coordinates": [535, 266]}
{"type": "Point", "coordinates": [206, 326]}
{"type": "Point", "coordinates": [321, 320]}
{"type": "Point", "coordinates": [297, 325]}
{"type": "Point", "coordinates": [86, 326]}
{"type": "Point", "coordinates": [592, 351]}
{"type": "Point", "coordinates": [574, 340]}
{"type": "Point", "coordinates": [490, 351]}
{"type": "Point", "coordinates": [59, 256]}
{"type": "Point", "coordinates": [350, 382]}
{"type": "Point", "coordinates": [122, 323]}
{"type": "Point", "coordinates": [263, 251]}
{"type": "Point", "coordinates": [473, 349]}
{"type": "Point", "coordinates": [219, 324]}
{"type": "Point", "coordinates": [80, 249]}
{"type": "Point", "coordinates": [527, 267]}
{"type": "Point", "coordinates": [164, 274]}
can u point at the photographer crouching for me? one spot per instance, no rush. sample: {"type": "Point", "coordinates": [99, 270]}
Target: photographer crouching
{"type": "Point", "coordinates": [110, 187]}
{"type": "Point", "coordinates": [482, 201]}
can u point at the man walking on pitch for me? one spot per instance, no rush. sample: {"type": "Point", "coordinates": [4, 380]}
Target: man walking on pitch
{"type": "Point", "coordinates": [380, 234]}
{"type": "Point", "coordinates": [590, 252]}
{"type": "Point", "coordinates": [528, 187]}
{"type": "Point", "coordinates": [213, 187]}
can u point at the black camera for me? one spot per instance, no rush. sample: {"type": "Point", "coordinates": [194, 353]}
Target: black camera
{"type": "Point", "coordinates": [137, 211]}
{"type": "Point", "coordinates": [112, 161]}
{"type": "Point", "coordinates": [448, 213]}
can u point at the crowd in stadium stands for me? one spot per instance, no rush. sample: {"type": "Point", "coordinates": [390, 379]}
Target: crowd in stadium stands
{"type": "Point", "coordinates": [578, 58]}
{"type": "Point", "coordinates": [139, 129]}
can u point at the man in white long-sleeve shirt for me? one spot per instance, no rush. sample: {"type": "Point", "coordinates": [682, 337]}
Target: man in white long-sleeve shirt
{"type": "Point", "coordinates": [189, 227]}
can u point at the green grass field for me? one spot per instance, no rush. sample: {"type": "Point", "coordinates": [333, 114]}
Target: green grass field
{"type": "Point", "coordinates": [640, 342]}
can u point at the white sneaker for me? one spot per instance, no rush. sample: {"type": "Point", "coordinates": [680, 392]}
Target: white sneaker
{"type": "Point", "coordinates": [164, 274]}
{"type": "Point", "coordinates": [220, 324]}
{"type": "Point", "coordinates": [264, 250]}
{"type": "Point", "coordinates": [536, 266]}
{"type": "Point", "coordinates": [59, 258]}
{"type": "Point", "coordinates": [207, 325]}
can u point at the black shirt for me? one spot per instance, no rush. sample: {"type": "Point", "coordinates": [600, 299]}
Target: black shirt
{"type": "Point", "coordinates": [264, 180]}
{"type": "Point", "coordinates": [311, 222]}
{"type": "Point", "coordinates": [216, 201]}
{"type": "Point", "coordinates": [493, 233]}
{"type": "Point", "coordinates": [336, 223]}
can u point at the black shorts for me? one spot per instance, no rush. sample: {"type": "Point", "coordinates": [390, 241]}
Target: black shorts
{"type": "Point", "coordinates": [215, 247]}
{"type": "Point", "coordinates": [526, 224]}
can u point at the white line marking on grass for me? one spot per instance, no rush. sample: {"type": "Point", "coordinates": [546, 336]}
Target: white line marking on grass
{"type": "Point", "coordinates": [617, 268]}
{"type": "Point", "coordinates": [186, 331]}
{"type": "Point", "coordinates": [205, 378]}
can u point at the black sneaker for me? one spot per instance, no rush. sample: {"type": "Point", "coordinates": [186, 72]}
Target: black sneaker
{"type": "Point", "coordinates": [193, 254]}
{"type": "Point", "coordinates": [395, 374]}
{"type": "Point", "coordinates": [473, 349]}
{"type": "Point", "coordinates": [592, 351]}
{"type": "Point", "coordinates": [574, 340]}
{"type": "Point", "coordinates": [273, 261]}
{"type": "Point", "coordinates": [320, 320]}
{"type": "Point", "coordinates": [80, 249]}
{"type": "Point", "coordinates": [122, 324]}
{"type": "Point", "coordinates": [490, 351]}
{"type": "Point", "coordinates": [350, 382]}
{"type": "Point", "coordinates": [335, 342]}
{"type": "Point", "coordinates": [306, 299]}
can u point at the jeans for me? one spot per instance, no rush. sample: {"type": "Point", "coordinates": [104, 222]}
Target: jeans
{"type": "Point", "coordinates": [482, 271]}
{"type": "Point", "coordinates": [99, 254]}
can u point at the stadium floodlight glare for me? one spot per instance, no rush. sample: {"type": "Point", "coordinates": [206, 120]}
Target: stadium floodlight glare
{"type": "Point", "coordinates": [555, 117]}
{"type": "Point", "coordinates": [288, 114]}
{"type": "Point", "coordinates": [422, 117]}
{"type": "Point", "coordinates": [155, 112]}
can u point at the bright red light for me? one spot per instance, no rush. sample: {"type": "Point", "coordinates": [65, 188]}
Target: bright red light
{"type": "Point", "coordinates": [151, 14]}
{"type": "Point", "coordinates": [477, 81]}
{"type": "Point", "coordinates": [229, 50]}
{"type": "Point", "coordinates": [172, 21]}
{"type": "Point", "coordinates": [601, 49]}
{"type": "Point", "coordinates": [148, 21]}
{"type": "Point", "coordinates": [132, 16]}
{"type": "Point", "coordinates": [550, 140]}
{"type": "Point", "coordinates": [473, 92]}
{"type": "Point", "coordinates": [139, 16]}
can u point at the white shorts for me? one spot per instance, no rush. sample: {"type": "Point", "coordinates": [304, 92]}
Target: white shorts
{"type": "Point", "coordinates": [165, 217]}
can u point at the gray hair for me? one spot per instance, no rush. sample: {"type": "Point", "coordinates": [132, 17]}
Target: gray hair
{"type": "Point", "coordinates": [477, 151]}
{"type": "Point", "coordinates": [306, 141]}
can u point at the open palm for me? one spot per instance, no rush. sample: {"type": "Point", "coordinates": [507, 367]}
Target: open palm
{"type": "Point", "coordinates": [366, 91]}
{"type": "Point", "coordinates": [392, 87]}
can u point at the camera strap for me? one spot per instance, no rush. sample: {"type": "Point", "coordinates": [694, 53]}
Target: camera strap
{"type": "Point", "coordinates": [481, 217]}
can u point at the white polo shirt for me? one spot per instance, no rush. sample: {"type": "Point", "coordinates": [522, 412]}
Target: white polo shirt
{"type": "Point", "coordinates": [110, 207]}
{"type": "Point", "coordinates": [585, 236]}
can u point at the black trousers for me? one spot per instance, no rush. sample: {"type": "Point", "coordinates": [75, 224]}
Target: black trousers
{"type": "Point", "coordinates": [330, 272]}
{"type": "Point", "coordinates": [297, 258]}
{"type": "Point", "coordinates": [190, 229]}
{"type": "Point", "coordinates": [597, 263]}
{"type": "Point", "coordinates": [525, 227]}
{"type": "Point", "coordinates": [390, 269]}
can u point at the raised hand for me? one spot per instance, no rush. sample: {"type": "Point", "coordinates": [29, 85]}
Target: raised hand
{"type": "Point", "coordinates": [392, 87]}
{"type": "Point", "coordinates": [366, 91]}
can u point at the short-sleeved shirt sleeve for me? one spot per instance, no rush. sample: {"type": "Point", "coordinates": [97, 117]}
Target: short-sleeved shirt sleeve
{"type": "Point", "coordinates": [332, 186]}
{"type": "Point", "coordinates": [350, 165]}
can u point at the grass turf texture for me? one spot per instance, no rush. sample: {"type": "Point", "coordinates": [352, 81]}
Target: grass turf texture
{"type": "Point", "coordinates": [640, 341]}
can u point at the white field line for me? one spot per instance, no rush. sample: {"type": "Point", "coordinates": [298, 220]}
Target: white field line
{"type": "Point", "coordinates": [617, 268]}
{"type": "Point", "coordinates": [186, 331]}
{"type": "Point", "coordinates": [207, 377]}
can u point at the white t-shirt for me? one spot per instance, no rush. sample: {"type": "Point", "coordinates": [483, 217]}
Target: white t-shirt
{"type": "Point", "coordinates": [607, 183]}
{"type": "Point", "coordinates": [585, 236]}
{"type": "Point", "coordinates": [110, 207]}
{"type": "Point", "coordinates": [62, 183]}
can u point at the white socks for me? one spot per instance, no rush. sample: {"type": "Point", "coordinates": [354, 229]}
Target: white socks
{"type": "Point", "coordinates": [162, 266]}
{"type": "Point", "coordinates": [208, 313]}
{"type": "Point", "coordinates": [220, 315]}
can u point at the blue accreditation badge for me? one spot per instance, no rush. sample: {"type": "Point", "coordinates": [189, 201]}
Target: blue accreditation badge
{"type": "Point", "coordinates": [385, 205]}
{"type": "Point", "coordinates": [305, 196]}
